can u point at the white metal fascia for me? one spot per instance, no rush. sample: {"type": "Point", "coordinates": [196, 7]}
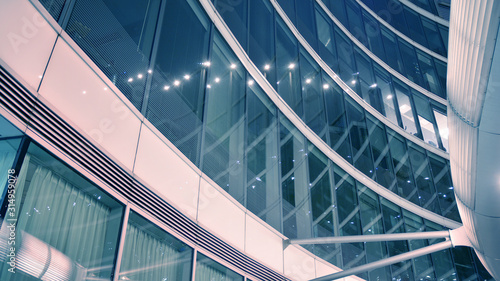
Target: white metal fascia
{"type": "Point", "coordinates": [401, 35]}
{"type": "Point", "coordinates": [308, 133]}
{"type": "Point", "coordinates": [384, 65]}
{"type": "Point", "coordinates": [425, 13]}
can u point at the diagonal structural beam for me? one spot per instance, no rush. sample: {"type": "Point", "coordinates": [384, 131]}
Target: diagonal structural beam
{"type": "Point", "coordinates": [370, 238]}
{"type": "Point", "coordinates": [388, 261]}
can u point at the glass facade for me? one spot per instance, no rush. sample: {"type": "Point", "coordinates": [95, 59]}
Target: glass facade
{"type": "Point", "coordinates": [368, 79]}
{"type": "Point", "coordinates": [170, 61]}
{"type": "Point", "coordinates": [419, 28]}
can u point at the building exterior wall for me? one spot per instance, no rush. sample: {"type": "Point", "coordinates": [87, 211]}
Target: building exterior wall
{"type": "Point", "coordinates": [221, 140]}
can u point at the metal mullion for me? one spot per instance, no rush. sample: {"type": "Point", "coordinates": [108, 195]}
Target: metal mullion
{"type": "Point", "coordinates": [123, 234]}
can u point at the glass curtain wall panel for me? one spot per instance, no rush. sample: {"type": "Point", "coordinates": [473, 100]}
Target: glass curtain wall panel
{"type": "Point", "coordinates": [150, 253]}
{"type": "Point", "coordinates": [119, 38]}
{"type": "Point", "coordinates": [177, 90]}
{"type": "Point", "coordinates": [208, 270]}
{"type": "Point", "coordinates": [67, 228]}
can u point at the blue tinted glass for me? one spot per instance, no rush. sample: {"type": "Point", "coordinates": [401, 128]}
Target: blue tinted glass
{"type": "Point", "coordinates": [305, 21]}
{"type": "Point", "coordinates": [288, 68]}
{"type": "Point", "coordinates": [234, 14]}
{"type": "Point", "coordinates": [261, 48]}
{"type": "Point", "coordinates": [118, 37]}
{"type": "Point", "coordinates": [175, 105]}
{"type": "Point", "coordinates": [224, 114]}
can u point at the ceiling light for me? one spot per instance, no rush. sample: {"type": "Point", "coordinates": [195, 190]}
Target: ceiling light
{"type": "Point", "coordinates": [177, 82]}
{"type": "Point", "coordinates": [250, 82]}
{"type": "Point", "coordinates": [139, 76]}
{"type": "Point", "coordinates": [326, 86]}
{"type": "Point", "coordinates": [130, 79]}
{"type": "Point", "coordinates": [217, 79]}
{"type": "Point", "coordinates": [267, 67]}
{"type": "Point", "coordinates": [187, 77]}
{"type": "Point", "coordinates": [233, 66]}
{"type": "Point", "coordinates": [150, 71]}
{"type": "Point", "coordinates": [373, 85]}
{"type": "Point", "coordinates": [308, 81]}
{"type": "Point", "coordinates": [166, 87]}
{"type": "Point", "coordinates": [207, 64]}
{"type": "Point", "coordinates": [291, 66]}
{"type": "Point", "coordinates": [389, 97]}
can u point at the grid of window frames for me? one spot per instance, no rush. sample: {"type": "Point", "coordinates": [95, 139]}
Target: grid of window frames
{"type": "Point", "coordinates": [68, 228]}
{"type": "Point", "coordinates": [345, 126]}
{"type": "Point", "coordinates": [345, 58]}
{"type": "Point", "coordinates": [401, 104]}
{"type": "Point", "coordinates": [415, 64]}
{"type": "Point", "coordinates": [201, 98]}
{"type": "Point", "coordinates": [421, 29]}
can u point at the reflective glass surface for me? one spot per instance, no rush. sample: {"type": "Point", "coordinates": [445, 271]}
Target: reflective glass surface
{"type": "Point", "coordinates": [412, 24]}
{"type": "Point", "coordinates": [203, 100]}
{"type": "Point", "coordinates": [208, 270]}
{"type": "Point", "coordinates": [150, 253]}
{"type": "Point", "coordinates": [65, 227]}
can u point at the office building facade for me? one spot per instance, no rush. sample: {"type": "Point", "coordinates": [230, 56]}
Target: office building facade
{"type": "Point", "coordinates": [189, 140]}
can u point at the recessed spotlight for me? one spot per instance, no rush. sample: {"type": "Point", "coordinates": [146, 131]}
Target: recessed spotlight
{"type": "Point", "coordinates": [291, 66]}
{"type": "Point", "coordinates": [84, 92]}
{"type": "Point", "coordinates": [308, 81]}
{"type": "Point", "coordinates": [389, 97]}
{"type": "Point", "coordinates": [209, 86]}
{"type": "Point", "coordinates": [250, 82]}
{"type": "Point", "coordinates": [267, 67]}
{"type": "Point", "coordinates": [326, 86]}
{"type": "Point", "coordinates": [373, 85]}
{"type": "Point", "coordinates": [166, 87]}
{"type": "Point", "coordinates": [217, 80]}
{"type": "Point", "coordinates": [207, 64]}
{"type": "Point", "coordinates": [353, 82]}
{"type": "Point", "coordinates": [139, 76]}
{"type": "Point", "coordinates": [233, 66]}
{"type": "Point", "coordinates": [130, 79]}
{"type": "Point", "coordinates": [150, 71]}
{"type": "Point", "coordinates": [177, 82]}
{"type": "Point", "coordinates": [187, 76]}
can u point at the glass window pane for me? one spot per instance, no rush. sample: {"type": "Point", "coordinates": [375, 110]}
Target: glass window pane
{"type": "Point", "coordinates": [118, 37]}
{"type": "Point", "coordinates": [175, 105]}
{"type": "Point", "coordinates": [149, 253]}
{"type": "Point", "coordinates": [425, 119]}
{"type": "Point", "coordinates": [63, 221]}
{"type": "Point", "coordinates": [405, 109]}
{"type": "Point", "coordinates": [442, 124]}
{"type": "Point", "coordinates": [287, 68]}
{"type": "Point", "coordinates": [8, 151]}
{"type": "Point", "coordinates": [263, 196]}
{"type": "Point", "coordinates": [429, 74]}
{"type": "Point", "coordinates": [261, 39]}
{"type": "Point", "coordinates": [314, 114]}
{"type": "Point", "coordinates": [297, 217]}
{"type": "Point", "coordinates": [223, 148]}
{"type": "Point", "coordinates": [209, 270]}
{"type": "Point", "coordinates": [234, 14]}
